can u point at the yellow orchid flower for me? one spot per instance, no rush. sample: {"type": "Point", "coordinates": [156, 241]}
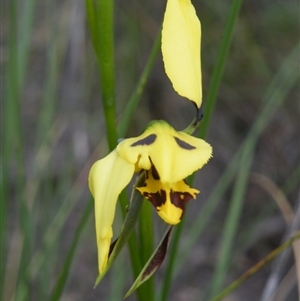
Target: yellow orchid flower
{"type": "Point", "coordinates": [167, 157]}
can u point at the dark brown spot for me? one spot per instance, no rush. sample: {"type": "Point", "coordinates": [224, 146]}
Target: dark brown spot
{"type": "Point", "coordinates": [183, 144]}
{"type": "Point", "coordinates": [180, 199]}
{"type": "Point", "coordinates": [112, 246]}
{"type": "Point", "coordinates": [157, 199]}
{"type": "Point", "coordinates": [155, 174]}
{"type": "Point", "coordinates": [146, 141]}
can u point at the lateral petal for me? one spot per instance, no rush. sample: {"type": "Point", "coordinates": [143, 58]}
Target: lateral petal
{"type": "Point", "coordinates": [194, 158]}
{"type": "Point", "coordinates": [181, 39]}
{"type": "Point", "coordinates": [107, 179]}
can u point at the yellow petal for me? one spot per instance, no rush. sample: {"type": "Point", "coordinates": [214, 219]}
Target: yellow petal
{"type": "Point", "coordinates": [181, 38]}
{"type": "Point", "coordinates": [175, 155]}
{"type": "Point", "coordinates": [107, 179]}
{"type": "Point", "coordinates": [168, 199]}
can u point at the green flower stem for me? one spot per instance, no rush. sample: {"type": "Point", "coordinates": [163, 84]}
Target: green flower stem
{"type": "Point", "coordinates": [147, 289]}
{"type": "Point", "coordinates": [210, 104]}
{"type": "Point", "coordinates": [100, 20]}
{"type": "Point", "coordinates": [256, 268]}
{"type": "Point", "coordinates": [146, 231]}
{"type": "Point", "coordinates": [195, 123]}
{"type": "Point", "coordinates": [146, 239]}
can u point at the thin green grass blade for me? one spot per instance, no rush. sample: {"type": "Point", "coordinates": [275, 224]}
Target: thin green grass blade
{"type": "Point", "coordinates": [46, 115]}
{"type": "Point", "coordinates": [101, 25]}
{"type": "Point", "coordinates": [8, 123]}
{"type": "Point", "coordinates": [43, 149]}
{"type": "Point", "coordinates": [146, 238]}
{"type": "Point", "coordinates": [18, 52]}
{"type": "Point", "coordinates": [256, 268]}
{"type": "Point", "coordinates": [54, 229]}
{"type": "Point", "coordinates": [209, 107]}
{"type": "Point", "coordinates": [60, 284]}
{"type": "Point", "coordinates": [91, 19]}
{"type": "Point", "coordinates": [233, 216]}
{"type": "Point", "coordinates": [146, 231]}
{"type": "Point", "coordinates": [24, 35]}
{"type": "Point", "coordinates": [136, 262]}
{"type": "Point", "coordinates": [136, 95]}
{"type": "Point", "coordinates": [117, 279]}
{"type": "Point", "coordinates": [211, 98]}
{"type": "Point", "coordinates": [292, 181]}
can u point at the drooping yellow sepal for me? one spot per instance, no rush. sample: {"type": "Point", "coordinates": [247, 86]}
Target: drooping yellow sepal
{"type": "Point", "coordinates": [107, 179]}
{"type": "Point", "coordinates": [181, 39]}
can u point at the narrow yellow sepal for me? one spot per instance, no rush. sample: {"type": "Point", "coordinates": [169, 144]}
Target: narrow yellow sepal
{"type": "Point", "coordinates": [107, 179]}
{"type": "Point", "coordinates": [181, 39]}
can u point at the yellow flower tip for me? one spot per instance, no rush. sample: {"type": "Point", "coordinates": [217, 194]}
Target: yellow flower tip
{"type": "Point", "coordinates": [103, 251]}
{"type": "Point", "coordinates": [181, 39]}
{"type": "Point", "coordinates": [169, 213]}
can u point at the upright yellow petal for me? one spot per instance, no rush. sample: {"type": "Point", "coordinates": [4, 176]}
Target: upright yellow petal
{"type": "Point", "coordinates": [175, 155]}
{"type": "Point", "coordinates": [107, 179]}
{"type": "Point", "coordinates": [181, 38]}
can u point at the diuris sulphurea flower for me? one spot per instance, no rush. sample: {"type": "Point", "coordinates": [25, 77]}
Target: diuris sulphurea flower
{"type": "Point", "coordinates": [167, 157]}
{"type": "Point", "coordinates": [162, 156]}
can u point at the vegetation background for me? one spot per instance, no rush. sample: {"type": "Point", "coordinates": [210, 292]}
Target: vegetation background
{"type": "Point", "coordinates": [53, 129]}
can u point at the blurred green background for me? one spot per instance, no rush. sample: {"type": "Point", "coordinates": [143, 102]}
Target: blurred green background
{"type": "Point", "coordinates": [53, 129]}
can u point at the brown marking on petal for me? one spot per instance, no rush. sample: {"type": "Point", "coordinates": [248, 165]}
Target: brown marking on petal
{"type": "Point", "coordinates": [155, 174]}
{"type": "Point", "coordinates": [146, 141]}
{"type": "Point", "coordinates": [183, 144]}
{"type": "Point", "coordinates": [112, 246]}
{"type": "Point", "coordinates": [157, 199]}
{"type": "Point", "coordinates": [180, 199]}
